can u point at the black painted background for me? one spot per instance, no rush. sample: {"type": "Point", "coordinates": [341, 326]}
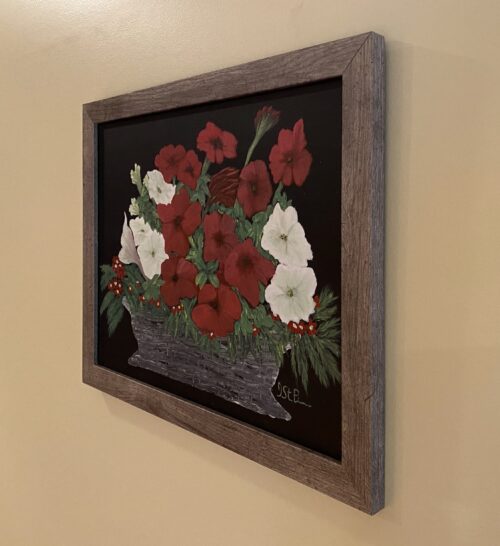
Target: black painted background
{"type": "Point", "coordinates": [137, 140]}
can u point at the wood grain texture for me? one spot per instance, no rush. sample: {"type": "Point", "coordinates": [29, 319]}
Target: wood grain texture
{"type": "Point", "coordinates": [362, 272]}
{"type": "Point", "coordinates": [358, 479]}
{"type": "Point", "coordinates": [297, 67]}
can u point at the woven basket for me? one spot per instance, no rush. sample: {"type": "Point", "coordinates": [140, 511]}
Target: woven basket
{"type": "Point", "coordinates": [247, 382]}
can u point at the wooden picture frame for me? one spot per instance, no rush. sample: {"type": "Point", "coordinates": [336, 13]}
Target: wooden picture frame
{"type": "Point", "coordinates": [358, 479]}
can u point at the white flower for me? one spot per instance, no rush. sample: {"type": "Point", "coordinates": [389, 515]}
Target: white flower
{"type": "Point", "coordinates": [158, 189]}
{"type": "Point", "coordinates": [128, 252]}
{"type": "Point", "coordinates": [284, 238]}
{"type": "Point", "coordinates": [134, 207]}
{"type": "Point", "coordinates": [140, 230]}
{"type": "Point", "coordinates": [152, 253]}
{"type": "Point", "coordinates": [290, 293]}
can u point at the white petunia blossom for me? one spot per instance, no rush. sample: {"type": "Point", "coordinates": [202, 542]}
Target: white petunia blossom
{"type": "Point", "coordinates": [140, 229]}
{"type": "Point", "coordinates": [128, 252]}
{"type": "Point", "coordinates": [284, 238]}
{"type": "Point", "coordinates": [290, 293]}
{"type": "Point", "coordinates": [134, 207]}
{"type": "Point", "coordinates": [152, 253]}
{"type": "Point", "coordinates": [161, 192]}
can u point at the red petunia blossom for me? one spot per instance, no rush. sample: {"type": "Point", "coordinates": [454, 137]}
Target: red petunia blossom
{"type": "Point", "coordinates": [179, 276]}
{"type": "Point", "coordinates": [223, 187]}
{"type": "Point", "coordinates": [220, 273]}
{"type": "Point", "coordinates": [217, 310]}
{"type": "Point", "coordinates": [180, 219]}
{"type": "Point", "coordinates": [216, 143]}
{"type": "Point", "coordinates": [244, 268]}
{"type": "Point", "coordinates": [255, 190]}
{"type": "Point", "coordinates": [220, 236]}
{"type": "Point", "coordinates": [189, 169]}
{"type": "Point", "coordinates": [289, 160]}
{"type": "Point", "coordinates": [167, 160]}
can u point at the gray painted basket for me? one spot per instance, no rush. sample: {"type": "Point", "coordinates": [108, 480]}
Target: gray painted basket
{"type": "Point", "coordinates": [247, 382]}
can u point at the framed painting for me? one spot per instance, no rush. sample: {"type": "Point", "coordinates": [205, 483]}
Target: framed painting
{"type": "Point", "coordinates": [233, 260]}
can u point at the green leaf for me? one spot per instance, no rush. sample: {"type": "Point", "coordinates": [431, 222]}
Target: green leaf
{"type": "Point", "coordinates": [201, 279]}
{"type": "Point", "coordinates": [152, 288]}
{"type": "Point", "coordinates": [213, 280]}
{"type": "Point", "coordinates": [107, 275]}
{"type": "Point", "coordinates": [205, 167]}
{"type": "Point", "coordinates": [212, 267]}
{"type": "Point", "coordinates": [238, 211]}
{"type": "Point", "coordinates": [108, 298]}
{"type": "Point", "coordinates": [114, 311]}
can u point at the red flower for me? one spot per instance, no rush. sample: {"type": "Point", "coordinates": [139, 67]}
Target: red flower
{"type": "Point", "coordinates": [220, 236]}
{"type": "Point", "coordinates": [179, 276]}
{"type": "Point", "coordinates": [289, 160]}
{"type": "Point", "coordinates": [216, 143]}
{"type": "Point", "coordinates": [317, 301]}
{"type": "Point", "coordinates": [189, 169]}
{"type": "Point", "coordinates": [245, 268]}
{"type": "Point", "coordinates": [180, 219]}
{"type": "Point", "coordinates": [217, 310]}
{"type": "Point", "coordinates": [220, 273]}
{"type": "Point", "coordinates": [255, 190]}
{"type": "Point", "coordinates": [223, 187]}
{"type": "Point", "coordinates": [167, 160]}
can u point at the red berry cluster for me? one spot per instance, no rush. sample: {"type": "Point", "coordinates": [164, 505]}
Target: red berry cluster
{"type": "Point", "coordinates": [256, 331]}
{"type": "Point", "coordinates": [115, 286]}
{"type": "Point", "coordinates": [174, 309]}
{"type": "Point", "coordinates": [117, 267]}
{"type": "Point", "coordinates": [310, 328]}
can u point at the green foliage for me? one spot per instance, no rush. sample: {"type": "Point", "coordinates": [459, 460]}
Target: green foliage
{"type": "Point", "coordinates": [147, 210]}
{"type": "Point", "coordinates": [205, 167]}
{"type": "Point", "coordinates": [152, 287]}
{"type": "Point", "coordinates": [113, 307]}
{"type": "Point", "coordinates": [107, 275]}
{"type": "Point", "coordinates": [201, 192]}
{"type": "Point", "coordinates": [207, 271]}
{"type": "Point", "coordinates": [280, 197]}
{"type": "Point", "coordinates": [320, 352]}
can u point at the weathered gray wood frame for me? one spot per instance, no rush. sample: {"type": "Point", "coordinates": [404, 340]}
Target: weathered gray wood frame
{"type": "Point", "coordinates": [358, 479]}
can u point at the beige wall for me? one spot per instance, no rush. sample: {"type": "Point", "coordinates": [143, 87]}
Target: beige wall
{"type": "Point", "coordinates": [79, 468]}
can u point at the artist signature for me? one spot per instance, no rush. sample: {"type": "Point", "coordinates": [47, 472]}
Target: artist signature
{"type": "Point", "coordinates": [291, 394]}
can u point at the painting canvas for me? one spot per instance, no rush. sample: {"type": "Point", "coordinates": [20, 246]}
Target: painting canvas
{"type": "Point", "coordinates": [219, 257]}
{"type": "Point", "coordinates": [233, 251]}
